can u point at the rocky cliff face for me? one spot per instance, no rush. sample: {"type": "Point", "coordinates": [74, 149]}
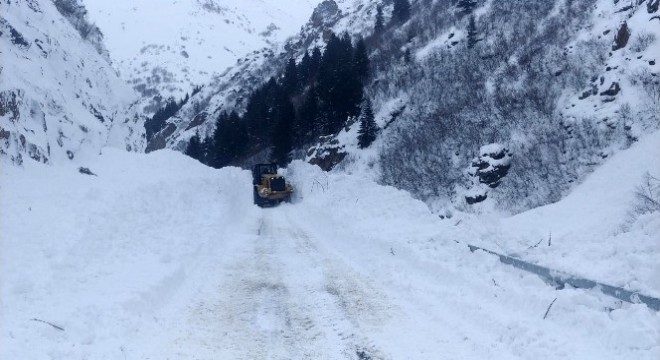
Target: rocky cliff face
{"type": "Point", "coordinates": [59, 97]}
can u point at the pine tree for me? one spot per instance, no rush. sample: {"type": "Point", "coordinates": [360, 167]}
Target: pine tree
{"type": "Point", "coordinates": [472, 33]}
{"type": "Point", "coordinates": [317, 56]}
{"type": "Point", "coordinates": [407, 56]}
{"type": "Point", "coordinates": [401, 11]}
{"type": "Point", "coordinates": [379, 25]}
{"type": "Point", "coordinates": [219, 156]}
{"type": "Point", "coordinates": [290, 81]}
{"type": "Point", "coordinates": [194, 148]}
{"type": "Point", "coordinates": [305, 70]}
{"type": "Point", "coordinates": [282, 134]}
{"type": "Point", "coordinates": [207, 149]}
{"type": "Point", "coordinates": [368, 128]}
{"type": "Point", "coordinates": [308, 126]}
{"type": "Point", "coordinates": [361, 60]}
{"type": "Point", "coordinates": [259, 112]}
{"type": "Point", "coordinates": [229, 139]}
{"type": "Point", "coordinates": [466, 6]}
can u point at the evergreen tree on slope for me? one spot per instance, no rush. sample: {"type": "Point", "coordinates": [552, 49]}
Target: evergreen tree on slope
{"type": "Point", "coordinates": [194, 148]}
{"type": "Point", "coordinates": [368, 128]}
{"type": "Point", "coordinates": [379, 24]}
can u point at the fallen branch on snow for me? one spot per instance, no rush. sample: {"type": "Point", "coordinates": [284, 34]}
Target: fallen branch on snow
{"type": "Point", "coordinates": [549, 307]}
{"type": "Point", "coordinates": [49, 323]}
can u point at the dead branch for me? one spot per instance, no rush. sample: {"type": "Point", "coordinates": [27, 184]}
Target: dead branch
{"type": "Point", "coordinates": [535, 245]}
{"type": "Point", "coordinates": [549, 307]}
{"type": "Point", "coordinates": [49, 323]}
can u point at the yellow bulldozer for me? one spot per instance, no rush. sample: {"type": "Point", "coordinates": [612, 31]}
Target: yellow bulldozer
{"type": "Point", "coordinates": [270, 188]}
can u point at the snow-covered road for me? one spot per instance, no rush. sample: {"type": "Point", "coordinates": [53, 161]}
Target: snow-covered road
{"type": "Point", "coordinates": [281, 297]}
{"type": "Point", "coordinates": [161, 258]}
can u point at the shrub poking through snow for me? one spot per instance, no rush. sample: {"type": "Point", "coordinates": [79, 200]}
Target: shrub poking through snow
{"type": "Point", "coordinates": [648, 195]}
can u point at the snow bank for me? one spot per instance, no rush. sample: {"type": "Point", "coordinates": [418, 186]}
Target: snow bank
{"type": "Point", "coordinates": [101, 256]}
{"type": "Point", "coordinates": [158, 256]}
{"type": "Point", "coordinates": [443, 291]}
{"type": "Point", "coordinates": [592, 232]}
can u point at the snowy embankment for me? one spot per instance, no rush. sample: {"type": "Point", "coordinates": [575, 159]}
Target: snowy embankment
{"type": "Point", "coordinates": [160, 257]}
{"type": "Point", "coordinates": [595, 232]}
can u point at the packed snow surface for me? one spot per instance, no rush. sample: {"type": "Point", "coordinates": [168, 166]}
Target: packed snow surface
{"type": "Point", "coordinates": [160, 257]}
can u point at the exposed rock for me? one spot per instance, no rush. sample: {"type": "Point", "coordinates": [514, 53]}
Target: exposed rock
{"type": "Point", "coordinates": [612, 91]}
{"type": "Point", "coordinates": [198, 120]}
{"type": "Point", "coordinates": [325, 14]}
{"type": "Point", "coordinates": [159, 141]}
{"type": "Point", "coordinates": [9, 104]}
{"type": "Point", "coordinates": [475, 198]}
{"type": "Point", "coordinates": [652, 6]}
{"type": "Point", "coordinates": [327, 154]}
{"type": "Point", "coordinates": [492, 164]}
{"type": "Point", "coordinates": [585, 95]}
{"type": "Point", "coordinates": [330, 159]}
{"type": "Point", "coordinates": [17, 39]}
{"type": "Point", "coordinates": [624, 9]}
{"type": "Point", "coordinates": [621, 38]}
{"type": "Point", "coordinates": [4, 134]}
{"type": "Point", "coordinates": [487, 171]}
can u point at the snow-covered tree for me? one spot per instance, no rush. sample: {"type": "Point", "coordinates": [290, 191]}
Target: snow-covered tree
{"type": "Point", "coordinates": [472, 36]}
{"type": "Point", "coordinates": [368, 128]}
{"type": "Point", "coordinates": [379, 24]}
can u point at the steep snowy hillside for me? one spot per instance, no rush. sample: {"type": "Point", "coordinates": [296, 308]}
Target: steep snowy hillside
{"type": "Point", "coordinates": [580, 85]}
{"type": "Point", "coordinates": [457, 79]}
{"type": "Point", "coordinates": [166, 48]}
{"type": "Point", "coordinates": [231, 89]}
{"type": "Point", "coordinates": [60, 100]}
{"type": "Point", "coordinates": [160, 257]}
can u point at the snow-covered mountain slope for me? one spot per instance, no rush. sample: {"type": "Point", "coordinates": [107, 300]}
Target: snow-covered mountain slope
{"type": "Point", "coordinates": [563, 98]}
{"type": "Point", "coordinates": [59, 99]}
{"type": "Point", "coordinates": [161, 257]}
{"type": "Point", "coordinates": [231, 89]}
{"type": "Point", "coordinates": [578, 87]}
{"type": "Point", "coordinates": [165, 48]}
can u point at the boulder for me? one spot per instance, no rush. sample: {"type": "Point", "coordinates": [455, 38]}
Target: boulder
{"type": "Point", "coordinates": [621, 38]}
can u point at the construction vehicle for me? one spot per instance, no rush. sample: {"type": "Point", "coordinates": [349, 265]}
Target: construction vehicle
{"type": "Point", "coordinates": [270, 188]}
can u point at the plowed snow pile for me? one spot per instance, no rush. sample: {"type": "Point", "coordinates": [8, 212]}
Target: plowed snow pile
{"type": "Point", "coordinates": [159, 257]}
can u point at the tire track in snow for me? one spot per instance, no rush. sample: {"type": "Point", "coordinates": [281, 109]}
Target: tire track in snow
{"type": "Point", "coordinates": [457, 304]}
{"type": "Point", "coordinates": [346, 302]}
{"type": "Point", "coordinates": [282, 299]}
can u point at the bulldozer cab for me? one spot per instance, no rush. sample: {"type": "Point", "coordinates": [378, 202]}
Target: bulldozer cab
{"type": "Point", "coordinates": [260, 170]}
